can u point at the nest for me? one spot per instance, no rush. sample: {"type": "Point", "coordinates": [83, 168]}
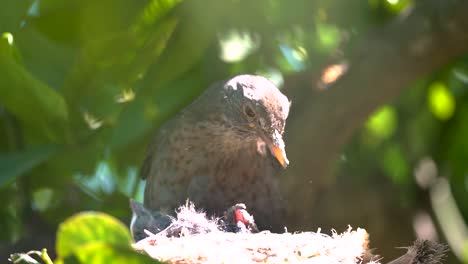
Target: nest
{"type": "Point", "coordinates": [264, 247]}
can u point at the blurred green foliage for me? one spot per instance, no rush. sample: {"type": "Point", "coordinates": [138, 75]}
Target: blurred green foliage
{"type": "Point", "coordinates": [90, 237]}
{"type": "Point", "coordinates": [83, 84]}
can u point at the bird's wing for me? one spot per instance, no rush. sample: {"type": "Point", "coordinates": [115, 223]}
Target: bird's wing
{"type": "Point", "coordinates": [201, 192]}
{"type": "Point", "coordinates": [146, 166]}
{"type": "Point", "coordinates": [159, 142]}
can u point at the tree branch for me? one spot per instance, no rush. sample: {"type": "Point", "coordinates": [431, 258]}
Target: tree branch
{"type": "Point", "coordinates": [421, 40]}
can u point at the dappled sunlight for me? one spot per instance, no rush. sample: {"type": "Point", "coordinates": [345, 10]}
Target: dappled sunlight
{"type": "Point", "coordinates": [393, 2]}
{"type": "Point", "coordinates": [9, 37]}
{"type": "Point", "coordinates": [127, 95]}
{"type": "Point", "coordinates": [92, 122]}
{"type": "Point", "coordinates": [294, 56]}
{"type": "Point", "coordinates": [236, 45]}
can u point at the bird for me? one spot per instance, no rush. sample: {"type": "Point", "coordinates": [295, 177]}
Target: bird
{"type": "Point", "coordinates": [224, 148]}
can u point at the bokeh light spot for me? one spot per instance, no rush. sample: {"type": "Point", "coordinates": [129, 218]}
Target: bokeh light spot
{"type": "Point", "coordinates": [126, 95]}
{"type": "Point", "coordinates": [382, 123]}
{"type": "Point", "coordinates": [9, 37]}
{"type": "Point", "coordinates": [274, 75]}
{"type": "Point", "coordinates": [441, 101]}
{"type": "Point", "coordinates": [42, 199]}
{"type": "Point", "coordinates": [328, 36]}
{"type": "Point", "coordinates": [236, 45]}
{"type": "Point", "coordinates": [294, 56]}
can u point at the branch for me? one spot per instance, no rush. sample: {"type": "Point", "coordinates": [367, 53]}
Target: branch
{"type": "Point", "coordinates": [428, 36]}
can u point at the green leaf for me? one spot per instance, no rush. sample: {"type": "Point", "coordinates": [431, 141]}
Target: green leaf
{"type": "Point", "coordinates": [153, 12]}
{"type": "Point", "coordinates": [139, 116]}
{"type": "Point", "coordinates": [88, 227]}
{"type": "Point", "coordinates": [100, 253]}
{"type": "Point", "coordinates": [185, 49]}
{"type": "Point", "coordinates": [109, 67]}
{"type": "Point", "coordinates": [383, 122]}
{"type": "Point", "coordinates": [134, 121]}
{"type": "Point", "coordinates": [15, 164]}
{"type": "Point", "coordinates": [30, 100]}
{"type": "Point", "coordinates": [12, 12]}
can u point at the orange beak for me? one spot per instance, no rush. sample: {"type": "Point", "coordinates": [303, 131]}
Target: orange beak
{"type": "Point", "coordinates": [279, 154]}
{"type": "Point", "coordinates": [276, 147]}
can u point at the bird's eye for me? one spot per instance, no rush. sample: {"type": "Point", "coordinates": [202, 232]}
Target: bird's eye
{"type": "Point", "coordinates": [249, 112]}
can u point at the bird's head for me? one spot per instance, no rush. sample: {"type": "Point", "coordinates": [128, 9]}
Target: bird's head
{"type": "Point", "coordinates": [257, 111]}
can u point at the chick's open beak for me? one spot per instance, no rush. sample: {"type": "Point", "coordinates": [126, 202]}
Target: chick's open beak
{"type": "Point", "coordinates": [276, 147]}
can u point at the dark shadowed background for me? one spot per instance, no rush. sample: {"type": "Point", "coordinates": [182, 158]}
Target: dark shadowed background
{"type": "Point", "coordinates": [377, 135]}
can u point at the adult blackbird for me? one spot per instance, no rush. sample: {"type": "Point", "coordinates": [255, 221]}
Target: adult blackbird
{"type": "Point", "coordinates": [224, 148]}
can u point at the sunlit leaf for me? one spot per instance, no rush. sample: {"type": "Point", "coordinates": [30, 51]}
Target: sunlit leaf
{"type": "Point", "coordinates": [9, 46]}
{"type": "Point", "coordinates": [154, 11]}
{"type": "Point", "coordinates": [441, 101]}
{"type": "Point", "coordinates": [235, 45]}
{"type": "Point", "coordinates": [102, 253]}
{"type": "Point", "coordinates": [85, 228]}
{"type": "Point", "coordinates": [15, 164]}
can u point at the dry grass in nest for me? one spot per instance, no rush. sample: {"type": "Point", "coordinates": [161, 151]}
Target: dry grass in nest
{"type": "Point", "coordinates": [264, 247]}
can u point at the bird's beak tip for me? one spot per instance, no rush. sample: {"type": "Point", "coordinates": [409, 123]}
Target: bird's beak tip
{"type": "Point", "coordinates": [280, 155]}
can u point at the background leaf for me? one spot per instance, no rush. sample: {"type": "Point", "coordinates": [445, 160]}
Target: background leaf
{"type": "Point", "coordinates": [100, 253]}
{"type": "Point", "coordinates": [46, 109]}
{"type": "Point", "coordinates": [13, 165]}
{"type": "Point", "coordinates": [89, 227]}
